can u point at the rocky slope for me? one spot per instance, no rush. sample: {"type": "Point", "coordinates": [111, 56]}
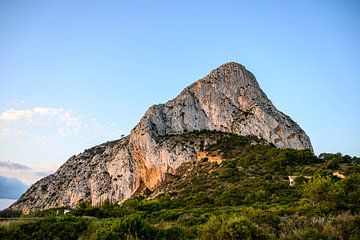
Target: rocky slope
{"type": "Point", "coordinates": [229, 99]}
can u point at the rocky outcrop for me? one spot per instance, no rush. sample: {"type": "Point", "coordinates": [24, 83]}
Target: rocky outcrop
{"type": "Point", "coordinates": [229, 99]}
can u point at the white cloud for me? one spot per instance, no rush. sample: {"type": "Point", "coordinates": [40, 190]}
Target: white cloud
{"type": "Point", "coordinates": [25, 173]}
{"type": "Point", "coordinates": [44, 138]}
{"type": "Point", "coordinates": [13, 166]}
{"type": "Point", "coordinates": [19, 122]}
{"type": "Point", "coordinates": [38, 116]}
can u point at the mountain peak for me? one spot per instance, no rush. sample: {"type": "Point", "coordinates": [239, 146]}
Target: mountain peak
{"type": "Point", "coordinates": [228, 99]}
{"type": "Point", "coordinates": [227, 68]}
{"type": "Point", "coordinates": [230, 65]}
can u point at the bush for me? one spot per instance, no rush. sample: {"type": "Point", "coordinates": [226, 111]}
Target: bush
{"type": "Point", "coordinates": [50, 228]}
{"type": "Point", "coordinates": [351, 186]}
{"type": "Point", "coordinates": [8, 213]}
{"type": "Point", "coordinates": [324, 189]}
{"type": "Point", "coordinates": [229, 229]}
{"type": "Point", "coordinates": [240, 228]}
{"type": "Point", "coordinates": [133, 227]}
{"type": "Point", "coordinates": [232, 196]}
{"type": "Point", "coordinates": [310, 234]}
{"type": "Point", "coordinates": [209, 230]}
{"type": "Point", "coordinates": [2, 232]}
{"type": "Point", "coordinates": [150, 206]}
{"type": "Point", "coordinates": [106, 210]}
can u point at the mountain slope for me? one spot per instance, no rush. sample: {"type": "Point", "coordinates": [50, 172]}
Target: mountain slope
{"type": "Point", "coordinates": [229, 99]}
{"type": "Point", "coordinates": [238, 189]}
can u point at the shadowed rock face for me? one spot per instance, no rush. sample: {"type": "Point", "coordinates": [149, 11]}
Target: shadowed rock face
{"type": "Point", "coordinates": [229, 99]}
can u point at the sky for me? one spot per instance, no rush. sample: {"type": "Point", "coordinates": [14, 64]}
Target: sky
{"type": "Point", "coordinates": [74, 74]}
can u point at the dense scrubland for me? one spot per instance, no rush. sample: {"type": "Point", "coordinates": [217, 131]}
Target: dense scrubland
{"type": "Point", "coordinates": [245, 196]}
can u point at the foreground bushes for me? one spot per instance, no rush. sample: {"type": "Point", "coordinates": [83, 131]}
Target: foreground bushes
{"type": "Point", "coordinates": [132, 227]}
{"type": "Point", "coordinates": [246, 224]}
{"type": "Point", "coordinates": [48, 228]}
{"type": "Point", "coordinates": [68, 228]}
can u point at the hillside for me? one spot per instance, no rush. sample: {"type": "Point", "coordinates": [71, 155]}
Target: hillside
{"type": "Point", "coordinates": [238, 189]}
{"type": "Point", "coordinates": [228, 99]}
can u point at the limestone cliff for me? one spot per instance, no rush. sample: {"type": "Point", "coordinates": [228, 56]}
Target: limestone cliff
{"type": "Point", "coordinates": [229, 99]}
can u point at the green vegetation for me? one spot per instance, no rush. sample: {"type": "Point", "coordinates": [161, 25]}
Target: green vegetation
{"type": "Point", "coordinates": [246, 196]}
{"type": "Point", "coordinates": [47, 228]}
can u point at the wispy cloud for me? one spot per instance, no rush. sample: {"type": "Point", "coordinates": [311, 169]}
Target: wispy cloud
{"type": "Point", "coordinates": [42, 138]}
{"type": "Point", "coordinates": [13, 166]}
{"type": "Point", "coordinates": [25, 173]}
{"type": "Point", "coordinates": [18, 122]}
{"type": "Point", "coordinates": [64, 121]}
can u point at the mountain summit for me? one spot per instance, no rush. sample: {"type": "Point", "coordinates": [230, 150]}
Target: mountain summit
{"type": "Point", "coordinates": [228, 99]}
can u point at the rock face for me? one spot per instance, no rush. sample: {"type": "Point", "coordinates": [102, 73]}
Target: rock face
{"type": "Point", "coordinates": [229, 99]}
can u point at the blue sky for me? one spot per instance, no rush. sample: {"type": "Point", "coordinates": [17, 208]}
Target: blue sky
{"type": "Point", "coordinates": [78, 73]}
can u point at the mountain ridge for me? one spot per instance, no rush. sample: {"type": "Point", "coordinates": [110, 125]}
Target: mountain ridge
{"type": "Point", "coordinates": [228, 99]}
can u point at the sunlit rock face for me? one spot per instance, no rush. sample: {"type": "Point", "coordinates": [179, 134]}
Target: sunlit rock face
{"type": "Point", "coordinates": [228, 99]}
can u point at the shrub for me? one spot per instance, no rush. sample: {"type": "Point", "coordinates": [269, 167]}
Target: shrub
{"type": "Point", "coordinates": [133, 227]}
{"type": "Point", "coordinates": [351, 186]}
{"type": "Point", "coordinates": [2, 232]}
{"type": "Point", "coordinates": [8, 213]}
{"type": "Point", "coordinates": [310, 234]}
{"type": "Point", "coordinates": [229, 229]}
{"type": "Point", "coordinates": [232, 196]}
{"type": "Point", "coordinates": [209, 230]}
{"type": "Point", "coordinates": [240, 228]}
{"type": "Point", "coordinates": [50, 228]}
{"type": "Point", "coordinates": [324, 189]}
{"type": "Point", "coordinates": [150, 206]}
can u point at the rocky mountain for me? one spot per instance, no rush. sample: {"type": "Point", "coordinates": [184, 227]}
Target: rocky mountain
{"type": "Point", "coordinates": [228, 99]}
